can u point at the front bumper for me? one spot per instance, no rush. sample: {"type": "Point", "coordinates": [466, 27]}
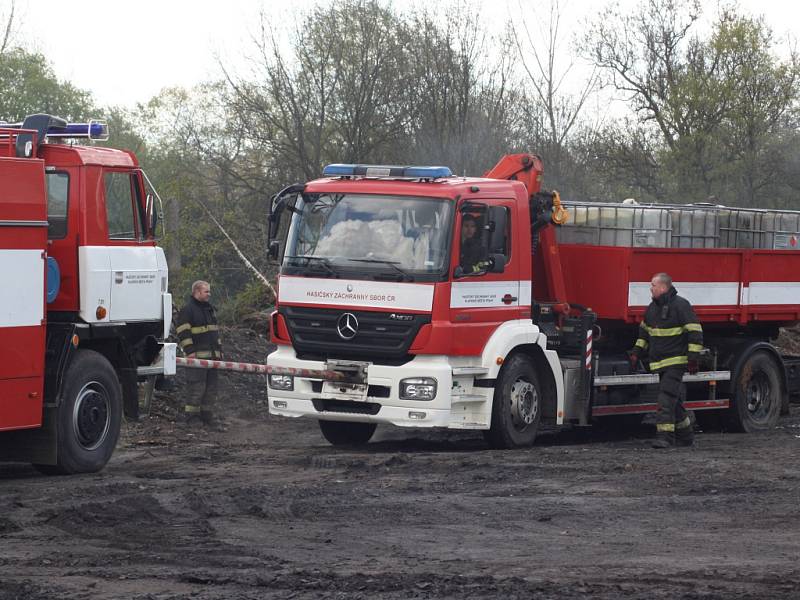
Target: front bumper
{"type": "Point", "coordinates": [164, 363]}
{"type": "Point", "coordinates": [458, 403]}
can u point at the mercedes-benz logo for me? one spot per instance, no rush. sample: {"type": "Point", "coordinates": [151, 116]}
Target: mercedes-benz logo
{"type": "Point", "coordinates": [349, 287]}
{"type": "Point", "coordinates": [347, 326]}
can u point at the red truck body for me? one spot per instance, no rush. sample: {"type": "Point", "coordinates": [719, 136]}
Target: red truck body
{"type": "Point", "coordinates": [539, 332]}
{"type": "Point", "coordinates": [76, 234]}
{"type": "Point", "coordinates": [726, 285]}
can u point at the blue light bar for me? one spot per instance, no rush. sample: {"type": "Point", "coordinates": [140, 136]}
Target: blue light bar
{"type": "Point", "coordinates": [337, 170]}
{"type": "Point", "coordinates": [93, 130]}
{"type": "Point", "coordinates": [428, 172]}
{"type": "Point", "coordinates": [392, 171]}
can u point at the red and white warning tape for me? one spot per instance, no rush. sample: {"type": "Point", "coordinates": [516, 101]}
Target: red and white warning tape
{"type": "Point", "coordinates": [225, 365]}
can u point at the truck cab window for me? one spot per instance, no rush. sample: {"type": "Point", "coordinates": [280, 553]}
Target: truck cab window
{"type": "Point", "coordinates": [121, 211]}
{"type": "Point", "coordinates": [484, 236]}
{"type": "Point", "coordinates": [500, 224]}
{"type": "Point", "coordinates": [57, 202]}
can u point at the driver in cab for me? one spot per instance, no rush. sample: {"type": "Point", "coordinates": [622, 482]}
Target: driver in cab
{"type": "Point", "coordinates": [473, 257]}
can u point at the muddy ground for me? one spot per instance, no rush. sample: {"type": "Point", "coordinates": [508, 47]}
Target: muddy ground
{"type": "Point", "coordinates": [267, 509]}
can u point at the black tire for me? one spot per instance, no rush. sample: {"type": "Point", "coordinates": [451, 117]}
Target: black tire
{"type": "Point", "coordinates": [757, 395]}
{"type": "Point", "coordinates": [89, 416]}
{"type": "Point", "coordinates": [344, 433]}
{"type": "Point", "coordinates": [517, 405]}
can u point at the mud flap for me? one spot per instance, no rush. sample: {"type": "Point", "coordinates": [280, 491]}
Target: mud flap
{"type": "Point", "coordinates": [146, 390]}
{"type": "Point", "coordinates": [130, 393]}
{"type": "Point", "coordinates": [38, 446]}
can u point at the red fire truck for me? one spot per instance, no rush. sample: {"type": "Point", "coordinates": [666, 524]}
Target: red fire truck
{"type": "Point", "coordinates": [84, 308]}
{"type": "Point", "coordinates": [474, 303]}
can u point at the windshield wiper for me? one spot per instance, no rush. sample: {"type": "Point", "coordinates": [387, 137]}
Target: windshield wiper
{"type": "Point", "coordinates": [320, 260]}
{"type": "Point", "coordinates": [391, 263]}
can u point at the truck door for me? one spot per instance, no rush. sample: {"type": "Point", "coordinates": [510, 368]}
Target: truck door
{"type": "Point", "coordinates": [126, 275]}
{"type": "Point", "coordinates": [486, 289]}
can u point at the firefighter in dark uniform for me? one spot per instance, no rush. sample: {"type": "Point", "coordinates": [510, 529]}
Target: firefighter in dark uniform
{"type": "Point", "coordinates": [671, 337]}
{"type": "Point", "coordinates": [198, 336]}
{"type": "Point", "coordinates": [473, 253]}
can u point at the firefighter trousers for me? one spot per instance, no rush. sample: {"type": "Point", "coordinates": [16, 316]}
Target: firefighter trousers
{"type": "Point", "coordinates": [671, 393]}
{"type": "Point", "coordinates": [202, 387]}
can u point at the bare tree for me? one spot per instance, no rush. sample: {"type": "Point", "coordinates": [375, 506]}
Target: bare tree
{"type": "Point", "coordinates": [641, 55]}
{"type": "Point", "coordinates": [718, 101]}
{"type": "Point", "coordinates": [341, 94]}
{"type": "Point", "coordinates": [554, 89]}
{"type": "Point", "coordinates": [464, 106]}
{"type": "Point", "coordinates": [8, 30]}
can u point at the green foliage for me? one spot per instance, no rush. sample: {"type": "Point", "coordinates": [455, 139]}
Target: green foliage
{"type": "Point", "coordinates": [28, 86]}
{"type": "Point", "coordinates": [252, 303]}
{"type": "Point", "coordinates": [719, 106]}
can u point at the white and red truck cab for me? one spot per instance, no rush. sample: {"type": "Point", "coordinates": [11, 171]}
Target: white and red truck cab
{"type": "Point", "coordinates": [85, 309]}
{"type": "Point", "coordinates": [501, 331]}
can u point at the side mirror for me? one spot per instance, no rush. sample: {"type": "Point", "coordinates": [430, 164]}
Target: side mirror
{"type": "Point", "coordinates": [274, 220]}
{"type": "Point", "coordinates": [274, 249]}
{"type": "Point", "coordinates": [497, 263]}
{"type": "Point", "coordinates": [152, 215]}
{"type": "Point", "coordinates": [277, 205]}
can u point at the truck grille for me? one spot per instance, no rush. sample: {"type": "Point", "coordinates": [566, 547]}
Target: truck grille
{"type": "Point", "coordinates": [314, 331]}
{"type": "Point", "coordinates": [344, 406]}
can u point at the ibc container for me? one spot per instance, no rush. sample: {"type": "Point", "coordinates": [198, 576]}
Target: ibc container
{"type": "Point", "coordinates": [616, 225]}
{"type": "Point", "coordinates": [741, 228]}
{"type": "Point", "coordinates": [695, 227]}
{"type": "Point", "coordinates": [781, 230]}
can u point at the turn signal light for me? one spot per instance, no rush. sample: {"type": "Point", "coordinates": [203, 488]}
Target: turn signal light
{"type": "Point", "coordinates": [100, 313]}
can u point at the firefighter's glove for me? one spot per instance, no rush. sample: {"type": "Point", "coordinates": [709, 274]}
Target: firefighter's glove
{"type": "Point", "coordinates": [692, 366]}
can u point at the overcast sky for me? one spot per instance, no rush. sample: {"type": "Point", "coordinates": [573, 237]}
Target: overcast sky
{"type": "Point", "coordinates": [126, 52]}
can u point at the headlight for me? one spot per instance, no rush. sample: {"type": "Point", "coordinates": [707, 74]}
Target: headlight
{"type": "Point", "coordinates": [281, 382]}
{"type": "Point", "coordinates": [418, 388]}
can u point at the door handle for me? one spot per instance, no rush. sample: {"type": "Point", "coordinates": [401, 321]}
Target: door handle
{"type": "Point", "coordinates": [508, 299]}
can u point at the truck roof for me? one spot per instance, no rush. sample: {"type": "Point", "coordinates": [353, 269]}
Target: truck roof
{"type": "Point", "coordinates": [74, 155]}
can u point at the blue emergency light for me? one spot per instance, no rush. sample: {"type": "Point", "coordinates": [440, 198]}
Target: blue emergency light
{"type": "Point", "coordinates": [93, 130]}
{"type": "Point", "coordinates": [391, 171]}
{"type": "Point", "coordinates": [47, 126]}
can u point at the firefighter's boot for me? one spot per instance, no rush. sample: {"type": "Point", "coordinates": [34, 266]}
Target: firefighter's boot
{"type": "Point", "coordinates": [684, 433]}
{"type": "Point", "coordinates": [190, 417]}
{"type": "Point", "coordinates": [212, 421]}
{"type": "Point", "coordinates": [665, 436]}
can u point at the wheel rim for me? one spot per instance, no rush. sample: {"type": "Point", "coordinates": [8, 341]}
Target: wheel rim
{"type": "Point", "coordinates": [758, 397]}
{"type": "Point", "coordinates": [524, 404]}
{"type": "Point", "coordinates": [90, 415]}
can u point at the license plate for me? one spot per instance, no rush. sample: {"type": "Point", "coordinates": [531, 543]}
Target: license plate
{"type": "Point", "coordinates": [350, 391]}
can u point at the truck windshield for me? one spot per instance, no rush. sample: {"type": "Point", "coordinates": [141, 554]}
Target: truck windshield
{"type": "Point", "coordinates": [401, 235]}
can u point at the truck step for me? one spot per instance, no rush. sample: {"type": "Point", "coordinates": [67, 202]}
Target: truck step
{"type": "Point", "coordinates": [648, 378]}
{"type": "Point", "coordinates": [632, 409]}
{"type": "Point", "coordinates": [459, 371]}
{"type": "Point", "coordinates": [468, 398]}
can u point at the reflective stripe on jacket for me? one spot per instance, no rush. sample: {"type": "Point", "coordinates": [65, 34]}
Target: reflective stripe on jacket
{"type": "Point", "coordinates": [670, 334]}
{"type": "Point", "coordinates": [198, 331]}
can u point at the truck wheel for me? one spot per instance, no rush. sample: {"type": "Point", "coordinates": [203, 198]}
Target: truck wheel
{"type": "Point", "coordinates": [342, 433]}
{"type": "Point", "coordinates": [89, 415]}
{"type": "Point", "coordinates": [517, 405]}
{"type": "Point", "coordinates": [757, 395]}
